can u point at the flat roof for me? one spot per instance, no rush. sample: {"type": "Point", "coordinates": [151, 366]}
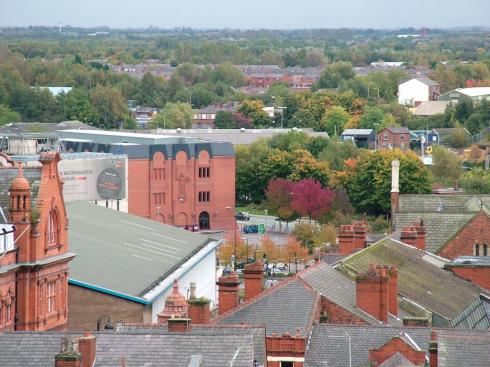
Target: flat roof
{"type": "Point", "coordinates": [124, 253]}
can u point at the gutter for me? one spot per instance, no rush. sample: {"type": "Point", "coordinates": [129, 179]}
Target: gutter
{"type": "Point", "coordinates": [108, 291]}
{"type": "Point", "coordinates": [187, 266]}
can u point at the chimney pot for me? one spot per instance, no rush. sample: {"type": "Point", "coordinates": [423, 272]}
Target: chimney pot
{"type": "Point", "coordinates": [228, 296]}
{"type": "Point", "coordinates": [253, 274]}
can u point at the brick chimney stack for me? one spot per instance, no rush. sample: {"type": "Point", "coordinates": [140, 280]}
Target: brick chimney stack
{"type": "Point", "coordinates": [352, 237]}
{"type": "Point", "coordinates": [433, 350]}
{"type": "Point", "coordinates": [360, 234]}
{"type": "Point", "coordinates": [179, 324]}
{"type": "Point", "coordinates": [395, 186]}
{"type": "Point", "coordinates": [254, 279]}
{"type": "Point", "coordinates": [228, 288]}
{"type": "Point", "coordinates": [198, 308]}
{"type": "Point", "coordinates": [372, 292]}
{"type": "Point", "coordinates": [346, 239]}
{"type": "Point", "coordinates": [409, 236]}
{"type": "Point", "coordinates": [87, 348]}
{"type": "Point", "coordinates": [392, 289]}
{"type": "Point", "coordinates": [420, 229]}
{"type": "Point", "coordinates": [68, 356]}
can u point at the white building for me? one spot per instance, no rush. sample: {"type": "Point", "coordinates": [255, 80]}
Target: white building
{"type": "Point", "coordinates": [417, 90]}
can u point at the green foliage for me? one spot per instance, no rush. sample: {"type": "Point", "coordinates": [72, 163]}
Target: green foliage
{"type": "Point", "coordinates": [445, 164]}
{"type": "Point", "coordinates": [334, 121]}
{"type": "Point", "coordinates": [334, 74]}
{"type": "Point", "coordinates": [372, 118]}
{"type": "Point", "coordinates": [368, 181]}
{"type": "Point", "coordinates": [7, 115]}
{"type": "Point", "coordinates": [109, 105]}
{"type": "Point", "coordinates": [225, 120]}
{"type": "Point", "coordinates": [336, 153]}
{"type": "Point", "coordinates": [174, 115]}
{"type": "Point", "coordinates": [476, 181]}
{"type": "Point", "coordinates": [458, 139]}
{"type": "Point", "coordinates": [129, 124]}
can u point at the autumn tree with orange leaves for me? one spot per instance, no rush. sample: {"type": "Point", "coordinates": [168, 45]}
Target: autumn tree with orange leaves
{"type": "Point", "coordinates": [294, 252]}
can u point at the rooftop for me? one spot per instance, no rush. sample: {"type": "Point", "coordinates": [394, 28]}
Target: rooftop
{"type": "Point", "coordinates": [336, 287]}
{"type": "Point", "coordinates": [420, 278]}
{"type": "Point", "coordinates": [357, 132]}
{"type": "Point", "coordinates": [283, 308]}
{"type": "Point", "coordinates": [111, 244]}
{"type": "Point", "coordinates": [38, 349]}
{"type": "Point", "coordinates": [329, 345]}
{"type": "Point", "coordinates": [475, 91]}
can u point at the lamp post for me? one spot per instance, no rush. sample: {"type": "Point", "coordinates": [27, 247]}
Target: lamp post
{"type": "Point", "coordinates": [105, 321]}
{"type": "Point", "coordinates": [234, 237]}
{"type": "Point", "coordinates": [246, 240]}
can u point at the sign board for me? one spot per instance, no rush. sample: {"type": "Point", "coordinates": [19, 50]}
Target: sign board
{"type": "Point", "coordinates": [94, 178]}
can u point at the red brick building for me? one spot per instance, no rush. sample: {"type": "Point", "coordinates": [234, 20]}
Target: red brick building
{"type": "Point", "coordinates": [394, 137]}
{"type": "Point", "coordinates": [472, 268]}
{"type": "Point", "coordinates": [34, 267]}
{"type": "Point", "coordinates": [172, 179]}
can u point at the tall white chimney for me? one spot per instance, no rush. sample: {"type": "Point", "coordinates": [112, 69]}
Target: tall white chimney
{"type": "Point", "coordinates": [395, 188]}
{"type": "Point", "coordinates": [395, 175]}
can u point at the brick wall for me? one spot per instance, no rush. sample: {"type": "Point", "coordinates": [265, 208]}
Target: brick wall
{"type": "Point", "coordinates": [285, 348]}
{"type": "Point", "coordinates": [168, 191]}
{"type": "Point", "coordinates": [339, 315]}
{"type": "Point", "coordinates": [477, 275]}
{"type": "Point", "coordinates": [86, 306]}
{"type": "Point", "coordinates": [400, 141]}
{"type": "Point", "coordinates": [378, 356]}
{"type": "Point", "coordinates": [476, 231]}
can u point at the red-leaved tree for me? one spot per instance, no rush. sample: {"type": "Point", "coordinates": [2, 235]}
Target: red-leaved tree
{"type": "Point", "coordinates": [310, 199]}
{"type": "Point", "coordinates": [278, 195]}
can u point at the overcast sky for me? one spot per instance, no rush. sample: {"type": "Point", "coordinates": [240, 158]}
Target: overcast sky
{"type": "Point", "coordinates": [247, 13]}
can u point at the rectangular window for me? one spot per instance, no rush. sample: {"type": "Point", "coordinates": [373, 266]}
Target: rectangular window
{"type": "Point", "coordinates": [204, 196]}
{"type": "Point", "coordinates": [51, 296]}
{"type": "Point", "coordinates": [204, 172]}
{"type": "Point", "coordinates": [402, 137]}
{"type": "Point", "coordinates": [159, 198]}
{"type": "Point", "coordinates": [8, 313]}
{"type": "Point", "coordinates": [386, 136]}
{"type": "Point", "coordinates": [287, 364]}
{"type": "Point", "coordinates": [159, 174]}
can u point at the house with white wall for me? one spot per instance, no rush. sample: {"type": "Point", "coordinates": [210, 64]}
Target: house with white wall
{"type": "Point", "coordinates": [417, 90]}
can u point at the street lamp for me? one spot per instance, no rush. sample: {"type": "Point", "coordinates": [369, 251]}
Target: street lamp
{"type": "Point", "coordinates": [234, 237]}
{"type": "Point", "coordinates": [246, 240]}
{"type": "Point", "coordinates": [105, 321]}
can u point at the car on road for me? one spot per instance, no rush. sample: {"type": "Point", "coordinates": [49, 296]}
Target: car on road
{"type": "Point", "coordinates": [253, 228]}
{"type": "Point", "coordinates": [242, 216]}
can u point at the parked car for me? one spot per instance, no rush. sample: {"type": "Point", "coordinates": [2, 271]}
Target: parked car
{"type": "Point", "coordinates": [242, 216]}
{"type": "Point", "coordinates": [252, 228]}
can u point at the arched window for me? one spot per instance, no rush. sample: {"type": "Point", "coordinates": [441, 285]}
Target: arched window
{"type": "Point", "coordinates": [485, 249]}
{"type": "Point", "coordinates": [477, 249]}
{"type": "Point", "coordinates": [52, 229]}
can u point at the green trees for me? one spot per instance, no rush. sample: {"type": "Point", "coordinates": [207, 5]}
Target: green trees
{"type": "Point", "coordinates": [174, 115]}
{"type": "Point", "coordinates": [253, 109]}
{"type": "Point", "coordinates": [76, 106]}
{"type": "Point", "coordinates": [372, 118]}
{"type": "Point", "coordinates": [368, 179]}
{"type": "Point", "coordinates": [334, 120]}
{"type": "Point", "coordinates": [7, 115]}
{"type": "Point", "coordinates": [446, 164]}
{"type": "Point", "coordinates": [109, 104]}
{"type": "Point", "coordinates": [224, 120]}
{"type": "Point", "coordinates": [336, 73]}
